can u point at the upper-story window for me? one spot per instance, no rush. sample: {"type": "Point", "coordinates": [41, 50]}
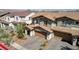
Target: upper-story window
{"type": "Point", "coordinates": [16, 18]}
{"type": "Point", "coordinates": [22, 16]}
{"type": "Point", "coordinates": [8, 18]}
{"type": "Point", "coordinates": [77, 23]}
{"type": "Point", "coordinates": [12, 16]}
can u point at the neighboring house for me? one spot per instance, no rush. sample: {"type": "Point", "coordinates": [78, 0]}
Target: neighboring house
{"type": "Point", "coordinates": [16, 16]}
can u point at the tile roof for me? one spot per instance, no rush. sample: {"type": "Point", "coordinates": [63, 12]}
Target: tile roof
{"type": "Point", "coordinates": [19, 13]}
{"type": "Point", "coordinates": [66, 30]}
{"type": "Point", "coordinates": [43, 27]}
{"type": "Point", "coordinates": [4, 22]}
{"type": "Point", "coordinates": [54, 15]}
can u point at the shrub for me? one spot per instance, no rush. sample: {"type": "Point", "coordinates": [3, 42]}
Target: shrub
{"type": "Point", "coordinates": [5, 37]}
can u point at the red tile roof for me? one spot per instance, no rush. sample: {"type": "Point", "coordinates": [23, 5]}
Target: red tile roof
{"type": "Point", "coordinates": [66, 30]}
{"type": "Point", "coordinates": [43, 27]}
{"type": "Point", "coordinates": [19, 13]}
{"type": "Point", "coordinates": [53, 15]}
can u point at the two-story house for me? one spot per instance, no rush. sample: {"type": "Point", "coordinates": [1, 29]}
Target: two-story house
{"type": "Point", "coordinates": [65, 24]}
{"type": "Point", "coordinates": [16, 16]}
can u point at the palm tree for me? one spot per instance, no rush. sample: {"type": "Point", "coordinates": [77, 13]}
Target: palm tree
{"type": "Point", "coordinates": [20, 30]}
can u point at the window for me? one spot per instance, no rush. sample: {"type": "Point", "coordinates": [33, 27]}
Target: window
{"type": "Point", "coordinates": [16, 18]}
{"type": "Point", "coordinates": [8, 18]}
{"type": "Point", "coordinates": [77, 22]}
{"type": "Point", "coordinates": [11, 16]}
{"type": "Point", "coordinates": [22, 16]}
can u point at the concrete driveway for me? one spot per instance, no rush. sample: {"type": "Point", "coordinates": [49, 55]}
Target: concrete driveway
{"type": "Point", "coordinates": [31, 43]}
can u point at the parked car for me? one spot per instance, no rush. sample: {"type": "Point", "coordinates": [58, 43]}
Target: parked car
{"type": "Point", "coordinates": [3, 47]}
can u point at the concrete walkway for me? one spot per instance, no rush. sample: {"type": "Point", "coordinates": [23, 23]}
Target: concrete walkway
{"type": "Point", "coordinates": [17, 46]}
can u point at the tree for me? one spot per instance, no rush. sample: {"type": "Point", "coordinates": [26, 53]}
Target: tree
{"type": "Point", "coordinates": [20, 30]}
{"type": "Point", "coordinates": [4, 36]}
